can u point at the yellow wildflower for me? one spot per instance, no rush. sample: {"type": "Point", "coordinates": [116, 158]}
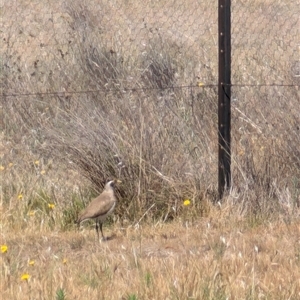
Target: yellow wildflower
{"type": "Point", "coordinates": [4, 248]}
{"type": "Point", "coordinates": [20, 196]}
{"type": "Point", "coordinates": [25, 276]}
{"type": "Point", "coordinates": [36, 162]}
{"type": "Point", "coordinates": [10, 165]}
{"type": "Point", "coordinates": [43, 172]}
{"type": "Point", "coordinates": [64, 261]}
{"type": "Point", "coordinates": [2, 168]}
{"type": "Point", "coordinates": [200, 84]}
{"type": "Point", "coordinates": [186, 202]}
{"type": "Point", "coordinates": [51, 205]}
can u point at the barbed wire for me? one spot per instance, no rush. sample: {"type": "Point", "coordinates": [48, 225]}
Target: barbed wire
{"type": "Point", "coordinates": [163, 46]}
{"type": "Point", "coordinates": [202, 85]}
{"type": "Point", "coordinates": [165, 38]}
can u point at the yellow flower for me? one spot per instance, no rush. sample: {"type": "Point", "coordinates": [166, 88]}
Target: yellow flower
{"type": "Point", "coordinates": [64, 261]}
{"type": "Point", "coordinates": [36, 162]}
{"type": "Point", "coordinates": [31, 263]}
{"type": "Point", "coordinates": [51, 205]}
{"type": "Point", "coordinates": [201, 84]}
{"type": "Point", "coordinates": [2, 168]}
{"type": "Point", "coordinates": [4, 248]}
{"type": "Point", "coordinates": [10, 165]}
{"type": "Point", "coordinates": [186, 202]}
{"type": "Point", "coordinates": [25, 276]}
{"type": "Point", "coordinates": [20, 196]}
{"type": "Point", "coordinates": [43, 172]}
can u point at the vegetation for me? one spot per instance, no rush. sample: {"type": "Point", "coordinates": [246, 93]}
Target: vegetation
{"type": "Point", "coordinates": [92, 91]}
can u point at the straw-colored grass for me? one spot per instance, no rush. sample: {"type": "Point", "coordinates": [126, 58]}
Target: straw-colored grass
{"type": "Point", "coordinates": [222, 256]}
{"type": "Point", "coordinates": [93, 90]}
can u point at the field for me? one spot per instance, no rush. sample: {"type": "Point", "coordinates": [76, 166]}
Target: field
{"type": "Point", "coordinates": [97, 90]}
{"type": "Point", "coordinates": [223, 256]}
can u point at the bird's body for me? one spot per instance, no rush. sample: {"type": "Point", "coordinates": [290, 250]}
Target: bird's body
{"type": "Point", "coordinates": [100, 207]}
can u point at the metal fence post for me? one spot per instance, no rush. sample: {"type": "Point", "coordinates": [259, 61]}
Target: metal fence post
{"type": "Point", "coordinates": [224, 93]}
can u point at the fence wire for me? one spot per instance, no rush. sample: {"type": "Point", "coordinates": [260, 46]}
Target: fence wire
{"type": "Point", "coordinates": [153, 65]}
{"type": "Point", "coordinates": [265, 42]}
{"type": "Point", "coordinates": [128, 44]}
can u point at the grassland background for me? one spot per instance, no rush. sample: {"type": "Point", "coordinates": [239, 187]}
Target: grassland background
{"type": "Point", "coordinates": [102, 89]}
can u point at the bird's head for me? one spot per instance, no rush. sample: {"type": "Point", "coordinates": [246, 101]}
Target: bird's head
{"type": "Point", "coordinates": [111, 184]}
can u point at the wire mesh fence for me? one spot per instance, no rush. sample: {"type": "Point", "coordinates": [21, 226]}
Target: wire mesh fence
{"type": "Point", "coordinates": [265, 42]}
{"type": "Point", "coordinates": [157, 44]}
{"type": "Point", "coordinates": [139, 80]}
{"type": "Point", "coordinates": [265, 97]}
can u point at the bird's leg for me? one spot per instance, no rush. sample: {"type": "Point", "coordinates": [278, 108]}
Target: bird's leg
{"type": "Point", "coordinates": [103, 238]}
{"type": "Point", "coordinates": [97, 229]}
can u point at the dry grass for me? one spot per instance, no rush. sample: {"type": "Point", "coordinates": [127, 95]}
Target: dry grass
{"type": "Point", "coordinates": [207, 252]}
{"type": "Point", "coordinates": [220, 257]}
{"type": "Point", "coordinates": [102, 100]}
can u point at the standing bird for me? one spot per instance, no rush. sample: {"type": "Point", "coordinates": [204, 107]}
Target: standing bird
{"type": "Point", "coordinates": [100, 207]}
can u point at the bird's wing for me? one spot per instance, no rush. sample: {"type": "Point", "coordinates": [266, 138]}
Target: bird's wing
{"type": "Point", "coordinates": [98, 206]}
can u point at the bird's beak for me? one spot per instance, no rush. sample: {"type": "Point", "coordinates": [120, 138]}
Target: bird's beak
{"type": "Point", "coordinates": [118, 181]}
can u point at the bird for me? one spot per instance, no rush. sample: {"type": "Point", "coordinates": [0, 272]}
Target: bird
{"type": "Point", "coordinates": [100, 207]}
